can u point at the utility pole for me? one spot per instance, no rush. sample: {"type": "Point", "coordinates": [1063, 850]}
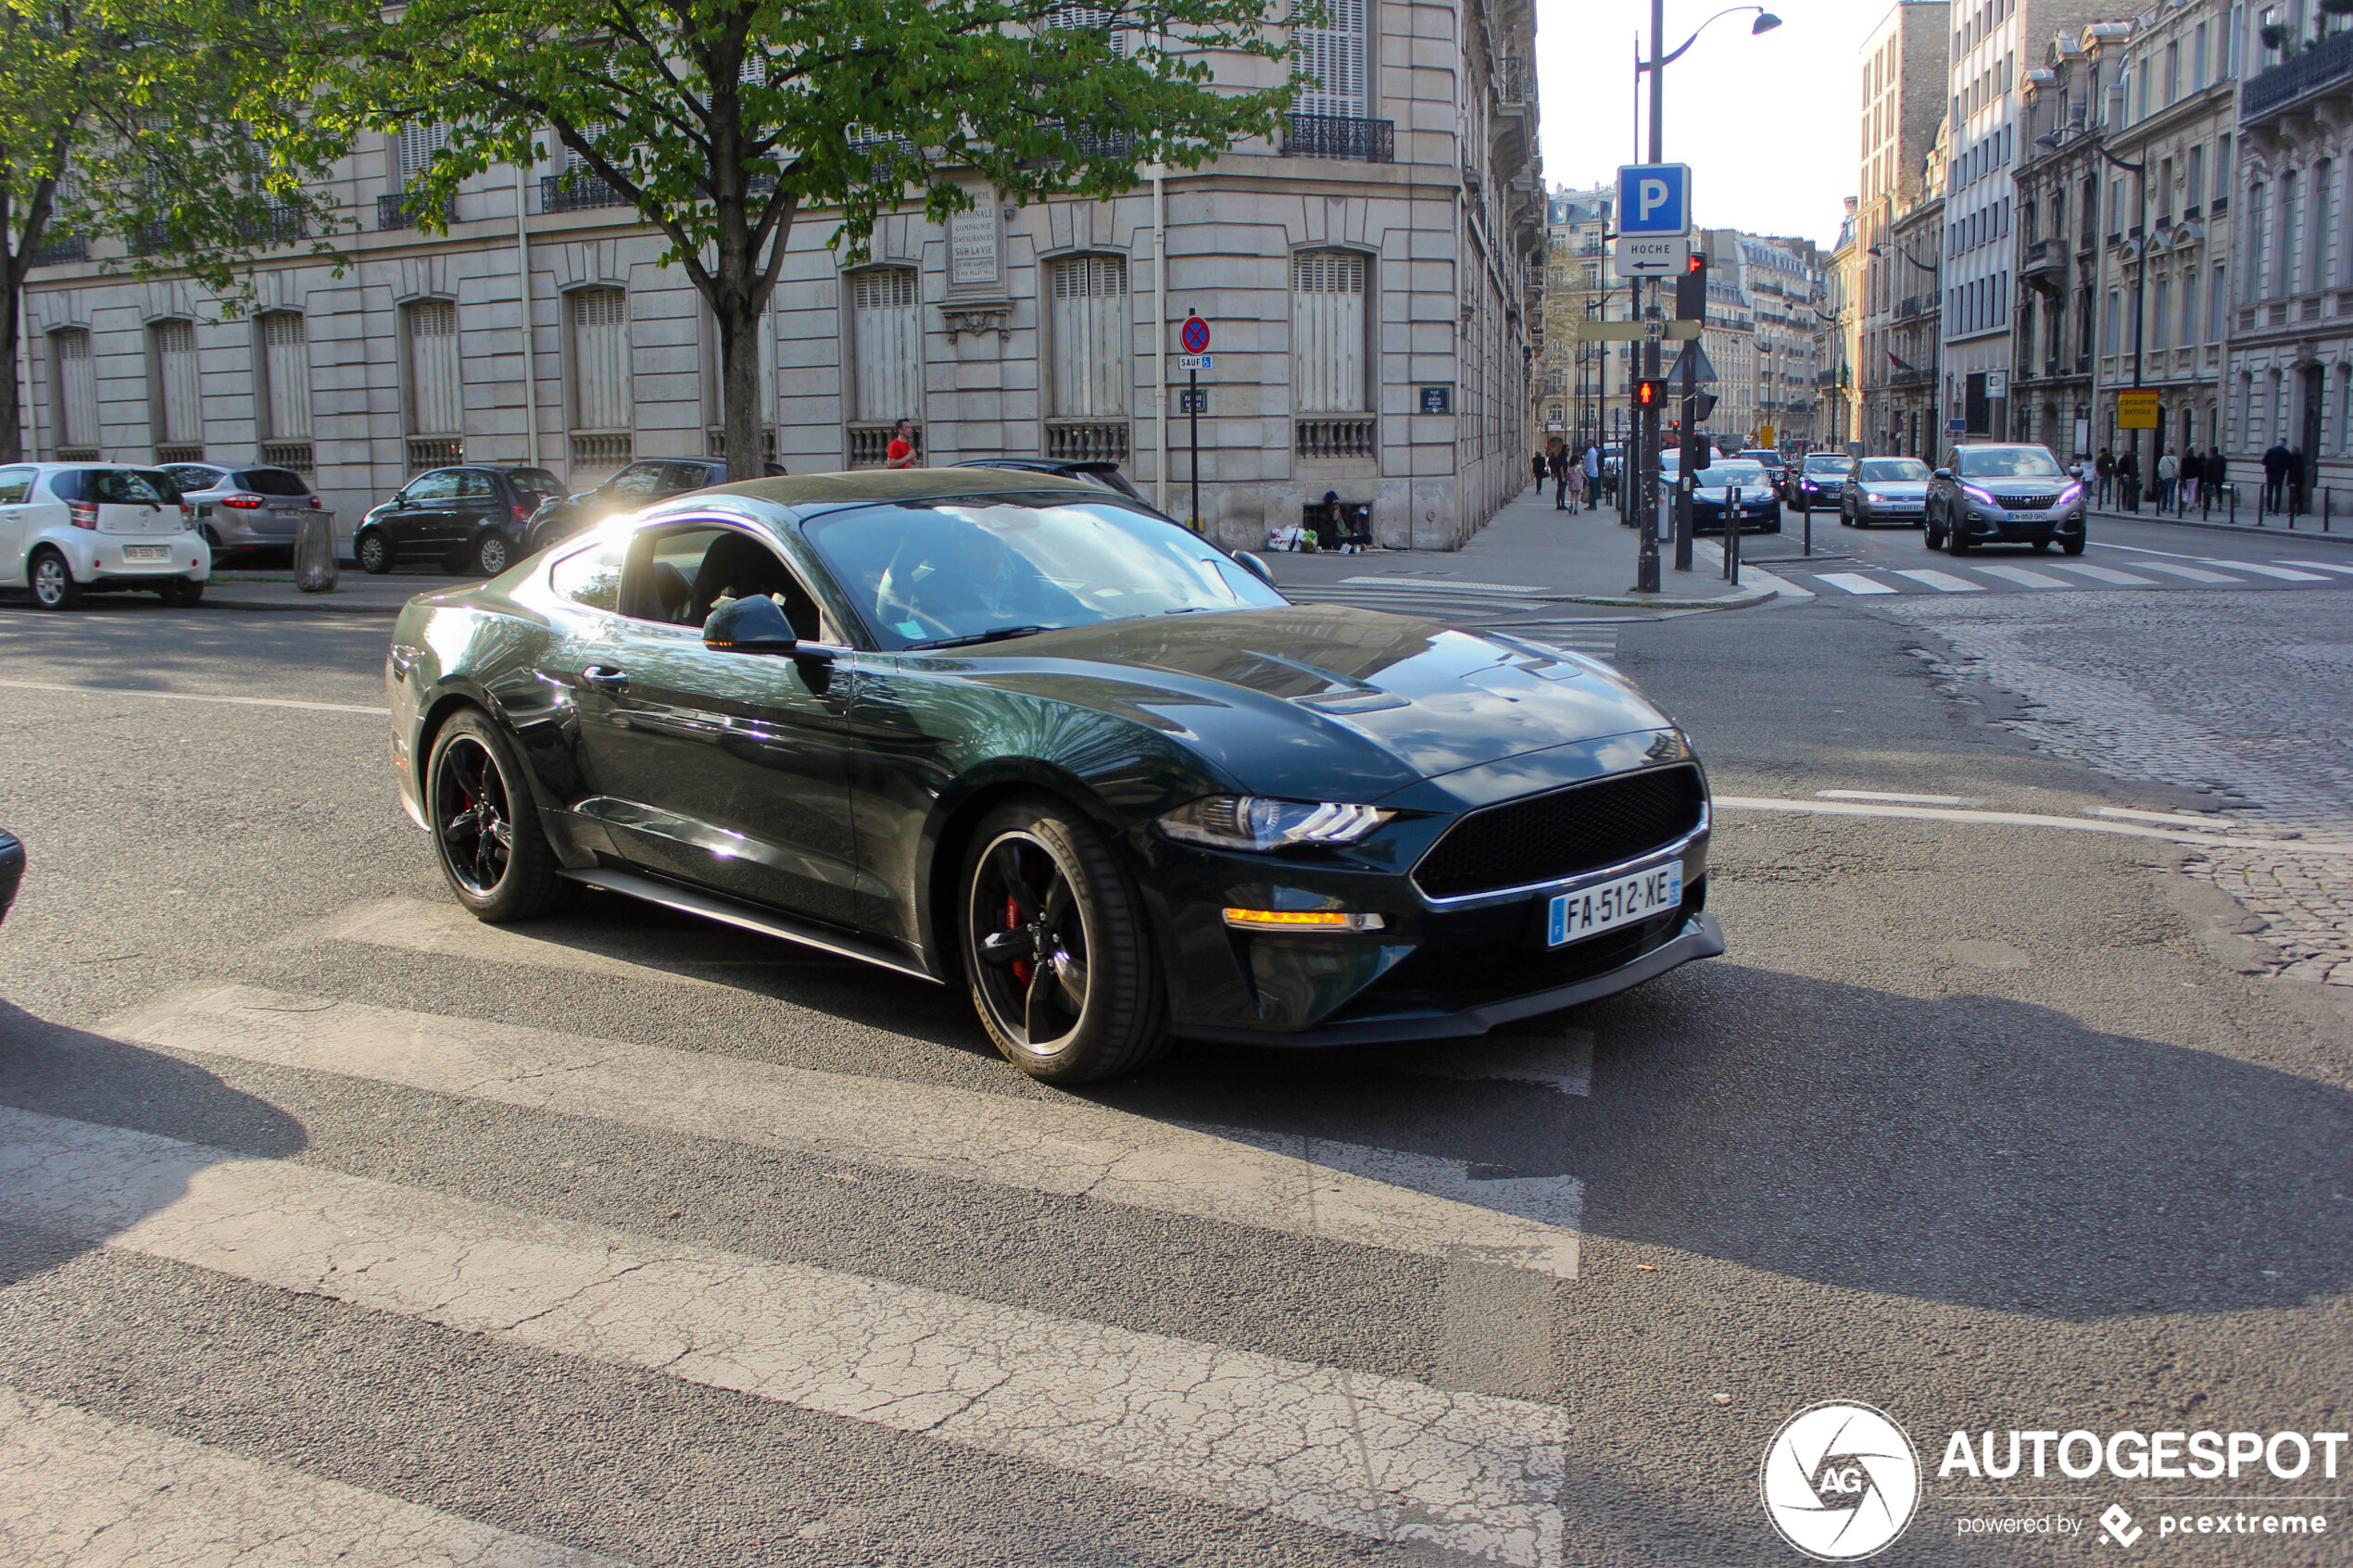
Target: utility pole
{"type": "Point", "coordinates": [1646, 563]}
{"type": "Point", "coordinates": [1691, 304]}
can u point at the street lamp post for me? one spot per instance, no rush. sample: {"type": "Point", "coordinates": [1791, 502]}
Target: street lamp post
{"type": "Point", "coordinates": [1646, 563]}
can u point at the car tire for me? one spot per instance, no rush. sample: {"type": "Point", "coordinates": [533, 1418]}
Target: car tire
{"type": "Point", "coordinates": [183, 592]}
{"type": "Point", "coordinates": [372, 551]}
{"type": "Point", "coordinates": [1957, 543]}
{"type": "Point", "coordinates": [51, 580]}
{"type": "Point", "coordinates": [485, 826]}
{"type": "Point", "coordinates": [212, 542]}
{"type": "Point", "coordinates": [2071, 546]}
{"type": "Point", "coordinates": [492, 553]}
{"type": "Point", "coordinates": [1108, 1007]}
{"type": "Point", "coordinates": [1932, 537]}
{"type": "Point", "coordinates": [2041, 545]}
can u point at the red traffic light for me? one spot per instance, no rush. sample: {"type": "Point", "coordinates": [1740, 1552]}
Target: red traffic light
{"type": "Point", "coordinates": [1698, 262]}
{"type": "Point", "coordinates": [1649, 394]}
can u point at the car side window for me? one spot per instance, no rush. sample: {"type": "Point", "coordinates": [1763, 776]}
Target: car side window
{"type": "Point", "coordinates": [474, 485]}
{"type": "Point", "coordinates": [675, 575]}
{"type": "Point", "coordinates": [592, 576]}
{"type": "Point", "coordinates": [438, 485]}
{"type": "Point", "coordinates": [638, 478]}
{"type": "Point", "coordinates": [15, 484]}
{"type": "Point", "coordinates": [687, 476]}
{"type": "Point", "coordinates": [190, 477]}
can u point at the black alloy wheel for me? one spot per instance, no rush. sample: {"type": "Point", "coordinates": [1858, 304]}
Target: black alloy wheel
{"type": "Point", "coordinates": [372, 551]}
{"type": "Point", "coordinates": [485, 827]}
{"type": "Point", "coordinates": [52, 582]}
{"type": "Point", "coordinates": [1062, 969]}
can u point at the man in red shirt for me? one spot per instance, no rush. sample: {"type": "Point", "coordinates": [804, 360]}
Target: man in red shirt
{"type": "Point", "coordinates": [902, 451]}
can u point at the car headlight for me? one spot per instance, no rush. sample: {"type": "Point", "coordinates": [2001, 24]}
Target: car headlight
{"type": "Point", "coordinates": [1247, 821]}
{"type": "Point", "coordinates": [2070, 495]}
{"type": "Point", "coordinates": [1982, 497]}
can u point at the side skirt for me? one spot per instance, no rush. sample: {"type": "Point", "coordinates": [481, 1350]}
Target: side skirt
{"type": "Point", "coordinates": [806, 933]}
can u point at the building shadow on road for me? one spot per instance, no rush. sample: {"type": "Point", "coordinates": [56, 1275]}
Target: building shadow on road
{"type": "Point", "coordinates": [1970, 1149]}
{"type": "Point", "coordinates": [95, 1084]}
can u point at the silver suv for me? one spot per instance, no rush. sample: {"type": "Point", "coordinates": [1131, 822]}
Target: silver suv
{"type": "Point", "coordinates": [245, 508]}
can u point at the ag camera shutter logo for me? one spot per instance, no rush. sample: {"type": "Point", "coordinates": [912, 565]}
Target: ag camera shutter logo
{"type": "Point", "coordinates": [1840, 1481]}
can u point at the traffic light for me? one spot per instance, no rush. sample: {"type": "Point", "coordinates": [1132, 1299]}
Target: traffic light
{"type": "Point", "coordinates": [1691, 290]}
{"type": "Point", "coordinates": [1649, 394]}
{"type": "Point", "coordinates": [1705, 405]}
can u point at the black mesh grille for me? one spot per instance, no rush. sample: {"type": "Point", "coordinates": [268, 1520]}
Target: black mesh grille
{"type": "Point", "coordinates": [2024, 503]}
{"type": "Point", "coordinates": [1569, 831]}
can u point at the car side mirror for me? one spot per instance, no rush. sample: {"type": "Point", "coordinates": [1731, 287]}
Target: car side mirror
{"type": "Point", "coordinates": [1944, 473]}
{"type": "Point", "coordinates": [749, 625]}
{"type": "Point", "coordinates": [400, 503]}
{"type": "Point", "coordinates": [1256, 567]}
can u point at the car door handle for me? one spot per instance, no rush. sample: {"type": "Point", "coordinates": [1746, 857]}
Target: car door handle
{"type": "Point", "coordinates": [605, 677]}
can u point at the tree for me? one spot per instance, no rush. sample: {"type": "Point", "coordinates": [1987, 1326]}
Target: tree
{"type": "Point", "coordinates": [121, 120]}
{"type": "Point", "coordinates": [723, 121]}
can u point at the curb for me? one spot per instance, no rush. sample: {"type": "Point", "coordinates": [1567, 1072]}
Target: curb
{"type": "Point", "coordinates": [1632, 599]}
{"type": "Point", "coordinates": [259, 606]}
{"type": "Point", "coordinates": [2294, 533]}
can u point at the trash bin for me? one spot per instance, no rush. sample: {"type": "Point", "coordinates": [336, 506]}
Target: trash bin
{"type": "Point", "coordinates": [316, 569]}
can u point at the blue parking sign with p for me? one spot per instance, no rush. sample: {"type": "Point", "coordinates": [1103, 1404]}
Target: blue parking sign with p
{"type": "Point", "coordinates": [1654, 198]}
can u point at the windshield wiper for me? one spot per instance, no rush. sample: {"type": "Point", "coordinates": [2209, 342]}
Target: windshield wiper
{"type": "Point", "coordinates": [996, 635]}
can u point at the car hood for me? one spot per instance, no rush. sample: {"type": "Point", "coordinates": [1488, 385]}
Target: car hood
{"type": "Point", "coordinates": [2036, 486]}
{"type": "Point", "coordinates": [1323, 702]}
{"type": "Point", "coordinates": [1900, 489]}
{"type": "Point", "coordinates": [1715, 495]}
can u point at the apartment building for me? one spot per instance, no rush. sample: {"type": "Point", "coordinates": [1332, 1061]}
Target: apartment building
{"type": "Point", "coordinates": [1579, 282]}
{"type": "Point", "coordinates": [1912, 341]}
{"type": "Point", "coordinates": [1905, 83]}
{"type": "Point", "coordinates": [1839, 342]}
{"type": "Point", "coordinates": [1782, 278]}
{"type": "Point", "coordinates": [1370, 275]}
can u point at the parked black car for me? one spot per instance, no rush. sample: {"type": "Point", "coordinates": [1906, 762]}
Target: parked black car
{"type": "Point", "coordinates": [2008, 493]}
{"type": "Point", "coordinates": [639, 484]}
{"type": "Point", "coordinates": [469, 518]}
{"type": "Point", "coordinates": [1105, 474]}
{"type": "Point", "coordinates": [11, 870]}
{"type": "Point", "coordinates": [1023, 736]}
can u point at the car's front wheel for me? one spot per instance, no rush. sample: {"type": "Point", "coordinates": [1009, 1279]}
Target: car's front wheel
{"type": "Point", "coordinates": [1054, 946]}
{"type": "Point", "coordinates": [485, 826]}
{"type": "Point", "coordinates": [52, 582]}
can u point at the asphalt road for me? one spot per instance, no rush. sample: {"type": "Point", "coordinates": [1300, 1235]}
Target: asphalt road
{"type": "Point", "coordinates": [657, 1243]}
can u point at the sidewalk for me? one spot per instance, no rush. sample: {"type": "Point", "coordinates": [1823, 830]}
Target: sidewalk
{"type": "Point", "coordinates": [2308, 527]}
{"type": "Point", "coordinates": [1574, 558]}
{"type": "Point", "coordinates": [235, 588]}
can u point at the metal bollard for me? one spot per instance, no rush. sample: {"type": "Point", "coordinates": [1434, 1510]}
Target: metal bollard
{"type": "Point", "coordinates": [316, 569]}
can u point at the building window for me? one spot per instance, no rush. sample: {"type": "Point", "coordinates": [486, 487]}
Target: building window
{"type": "Point", "coordinates": [2217, 296]}
{"type": "Point", "coordinates": [1335, 56]}
{"type": "Point", "coordinates": [1328, 331]}
{"type": "Point", "coordinates": [285, 376]}
{"type": "Point", "coordinates": [2316, 258]}
{"type": "Point", "coordinates": [885, 358]}
{"type": "Point", "coordinates": [179, 421]}
{"type": "Point", "coordinates": [76, 392]}
{"type": "Point", "coordinates": [2189, 306]}
{"type": "Point", "coordinates": [1093, 357]}
{"type": "Point", "coordinates": [2157, 316]}
{"type": "Point", "coordinates": [436, 407]}
{"type": "Point", "coordinates": [2107, 338]}
{"type": "Point", "coordinates": [601, 425]}
{"type": "Point", "coordinates": [2291, 239]}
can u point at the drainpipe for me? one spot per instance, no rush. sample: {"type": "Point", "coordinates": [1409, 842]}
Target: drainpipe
{"type": "Point", "coordinates": [24, 357]}
{"type": "Point", "coordinates": [1160, 331]}
{"type": "Point", "coordinates": [522, 298]}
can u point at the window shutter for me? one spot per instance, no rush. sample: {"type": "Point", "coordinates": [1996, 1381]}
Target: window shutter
{"type": "Point", "coordinates": [1328, 331]}
{"type": "Point", "coordinates": [886, 345]}
{"type": "Point", "coordinates": [435, 407]}
{"type": "Point", "coordinates": [600, 359]}
{"type": "Point", "coordinates": [176, 377]}
{"type": "Point", "coordinates": [77, 389]}
{"type": "Point", "coordinates": [1093, 352]}
{"type": "Point", "coordinates": [413, 149]}
{"type": "Point", "coordinates": [1079, 19]}
{"type": "Point", "coordinates": [1334, 55]}
{"type": "Point", "coordinates": [285, 369]}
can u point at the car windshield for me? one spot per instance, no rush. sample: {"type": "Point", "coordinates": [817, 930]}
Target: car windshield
{"type": "Point", "coordinates": [964, 567]}
{"type": "Point", "coordinates": [1721, 475]}
{"type": "Point", "coordinates": [273, 481]}
{"type": "Point", "coordinates": [1828, 463]}
{"type": "Point", "coordinates": [2006, 462]}
{"type": "Point", "coordinates": [1893, 471]}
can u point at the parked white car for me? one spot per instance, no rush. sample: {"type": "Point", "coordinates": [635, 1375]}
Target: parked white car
{"type": "Point", "coordinates": [68, 529]}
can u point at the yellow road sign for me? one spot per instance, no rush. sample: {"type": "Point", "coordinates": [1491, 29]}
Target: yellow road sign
{"type": "Point", "coordinates": [2136, 410]}
{"type": "Point", "coordinates": [1591, 330]}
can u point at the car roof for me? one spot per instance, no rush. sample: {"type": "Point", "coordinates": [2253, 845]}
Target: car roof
{"type": "Point", "coordinates": [867, 487]}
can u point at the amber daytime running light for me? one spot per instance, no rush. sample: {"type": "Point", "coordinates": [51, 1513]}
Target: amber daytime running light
{"type": "Point", "coordinates": [1301, 919]}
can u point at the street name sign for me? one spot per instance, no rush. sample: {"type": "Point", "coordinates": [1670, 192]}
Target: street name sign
{"type": "Point", "coordinates": [1654, 200]}
{"type": "Point", "coordinates": [1651, 255]}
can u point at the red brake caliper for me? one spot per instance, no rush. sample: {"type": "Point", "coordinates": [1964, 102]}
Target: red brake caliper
{"type": "Point", "coordinates": [1022, 967]}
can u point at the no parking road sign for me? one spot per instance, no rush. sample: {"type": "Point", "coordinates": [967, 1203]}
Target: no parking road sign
{"type": "Point", "coordinates": [1194, 335]}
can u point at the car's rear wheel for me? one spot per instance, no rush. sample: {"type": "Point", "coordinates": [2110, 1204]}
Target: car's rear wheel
{"type": "Point", "coordinates": [1060, 966]}
{"type": "Point", "coordinates": [372, 551]}
{"type": "Point", "coordinates": [182, 592]}
{"type": "Point", "coordinates": [52, 582]}
{"type": "Point", "coordinates": [485, 827]}
{"type": "Point", "coordinates": [490, 553]}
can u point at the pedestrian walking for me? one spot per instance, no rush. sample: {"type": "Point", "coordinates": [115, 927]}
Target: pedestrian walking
{"type": "Point", "coordinates": [2104, 470]}
{"type": "Point", "coordinates": [1593, 476]}
{"type": "Point", "coordinates": [1537, 462]}
{"type": "Point", "coordinates": [2127, 479]}
{"type": "Point", "coordinates": [2168, 477]}
{"type": "Point", "coordinates": [2218, 472]}
{"type": "Point", "coordinates": [1573, 483]}
{"type": "Point", "coordinates": [1560, 466]}
{"type": "Point", "coordinates": [2193, 469]}
{"type": "Point", "coordinates": [2275, 461]}
{"type": "Point", "coordinates": [901, 453]}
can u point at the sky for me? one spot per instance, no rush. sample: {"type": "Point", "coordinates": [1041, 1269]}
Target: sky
{"type": "Point", "coordinates": [1770, 124]}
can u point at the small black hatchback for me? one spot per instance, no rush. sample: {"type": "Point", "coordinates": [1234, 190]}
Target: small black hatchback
{"type": "Point", "coordinates": [469, 518]}
{"type": "Point", "coordinates": [639, 484]}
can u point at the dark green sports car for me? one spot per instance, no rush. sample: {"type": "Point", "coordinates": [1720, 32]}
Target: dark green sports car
{"type": "Point", "coordinates": [1022, 735]}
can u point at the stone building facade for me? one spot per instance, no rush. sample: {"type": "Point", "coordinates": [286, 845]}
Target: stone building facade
{"type": "Point", "coordinates": [1782, 279]}
{"type": "Point", "coordinates": [1904, 88]}
{"type": "Point", "coordinates": [1914, 336]}
{"type": "Point", "coordinates": [1370, 275]}
{"type": "Point", "coordinates": [1581, 282]}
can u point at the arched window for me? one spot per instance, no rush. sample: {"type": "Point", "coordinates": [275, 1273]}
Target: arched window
{"type": "Point", "coordinates": [285, 375]}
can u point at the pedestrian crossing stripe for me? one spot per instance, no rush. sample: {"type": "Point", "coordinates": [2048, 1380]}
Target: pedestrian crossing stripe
{"type": "Point", "coordinates": [2103, 573]}
{"type": "Point", "coordinates": [2025, 578]}
{"type": "Point", "coordinates": [1344, 1450]}
{"type": "Point", "coordinates": [1943, 583]}
{"type": "Point", "coordinates": [2285, 573]}
{"type": "Point", "coordinates": [2321, 566]}
{"type": "Point", "coordinates": [2196, 574]}
{"type": "Point", "coordinates": [1853, 582]}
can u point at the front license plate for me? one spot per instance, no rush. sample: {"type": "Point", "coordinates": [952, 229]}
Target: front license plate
{"type": "Point", "coordinates": [1589, 912]}
{"type": "Point", "coordinates": [147, 552]}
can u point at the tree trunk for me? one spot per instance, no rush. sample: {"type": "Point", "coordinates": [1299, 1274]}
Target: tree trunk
{"type": "Point", "coordinates": [741, 410]}
{"type": "Point", "coordinates": [12, 410]}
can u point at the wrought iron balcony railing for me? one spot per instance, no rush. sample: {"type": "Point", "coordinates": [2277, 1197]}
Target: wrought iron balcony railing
{"type": "Point", "coordinates": [576, 192]}
{"type": "Point", "coordinates": [1340, 136]}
